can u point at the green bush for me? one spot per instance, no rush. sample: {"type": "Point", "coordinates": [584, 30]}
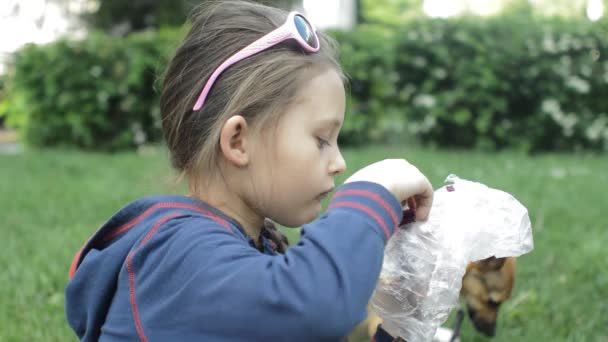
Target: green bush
{"type": "Point", "coordinates": [537, 84]}
{"type": "Point", "coordinates": [368, 61]}
{"type": "Point", "coordinates": [97, 93]}
{"type": "Point", "coordinates": [3, 101]}
{"type": "Point", "coordinates": [510, 81]}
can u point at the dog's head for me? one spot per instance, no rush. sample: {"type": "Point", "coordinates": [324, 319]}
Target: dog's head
{"type": "Point", "coordinates": [485, 286]}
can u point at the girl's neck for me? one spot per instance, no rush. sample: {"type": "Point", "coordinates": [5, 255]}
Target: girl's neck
{"type": "Point", "coordinates": [220, 197]}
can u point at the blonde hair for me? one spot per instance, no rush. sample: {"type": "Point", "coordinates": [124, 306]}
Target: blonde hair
{"type": "Point", "coordinates": [259, 88]}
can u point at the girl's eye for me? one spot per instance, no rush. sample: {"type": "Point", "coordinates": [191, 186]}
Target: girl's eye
{"type": "Point", "coordinates": [322, 142]}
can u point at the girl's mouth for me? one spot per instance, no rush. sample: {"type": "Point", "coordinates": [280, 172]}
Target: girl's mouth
{"type": "Point", "coordinates": [324, 194]}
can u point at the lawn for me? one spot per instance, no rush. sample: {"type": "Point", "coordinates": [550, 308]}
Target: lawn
{"type": "Point", "coordinates": [51, 201]}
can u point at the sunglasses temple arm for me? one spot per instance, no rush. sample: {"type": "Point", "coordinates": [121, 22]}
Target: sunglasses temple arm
{"type": "Point", "coordinates": [272, 38]}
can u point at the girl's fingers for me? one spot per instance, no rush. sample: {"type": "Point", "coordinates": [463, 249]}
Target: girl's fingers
{"type": "Point", "coordinates": [423, 207]}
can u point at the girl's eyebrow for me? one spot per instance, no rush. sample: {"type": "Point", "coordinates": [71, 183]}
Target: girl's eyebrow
{"type": "Point", "coordinates": [331, 122]}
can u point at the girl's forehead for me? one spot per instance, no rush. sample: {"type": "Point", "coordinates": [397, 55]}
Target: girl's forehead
{"type": "Point", "coordinates": [323, 94]}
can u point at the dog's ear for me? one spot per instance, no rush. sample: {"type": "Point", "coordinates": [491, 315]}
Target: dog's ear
{"type": "Point", "coordinates": [491, 263]}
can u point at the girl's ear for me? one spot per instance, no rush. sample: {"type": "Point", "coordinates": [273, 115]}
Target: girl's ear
{"type": "Point", "coordinates": [233, 141]}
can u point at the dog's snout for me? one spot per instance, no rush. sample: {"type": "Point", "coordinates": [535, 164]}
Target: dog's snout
{"type": "Point", "coordinates": [487, 328]}
{"type": "Point", "coordinates": [481, 323]}
{"type": "Point", "coordinates": [472, 312]}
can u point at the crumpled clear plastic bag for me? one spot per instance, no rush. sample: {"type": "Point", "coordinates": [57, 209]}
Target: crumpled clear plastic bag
{"type": "Point", "coordinates": [424, 262]}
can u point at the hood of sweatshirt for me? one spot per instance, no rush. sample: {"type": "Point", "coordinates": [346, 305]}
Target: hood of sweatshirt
{"type": "Point", "coordinates": [96, 266]}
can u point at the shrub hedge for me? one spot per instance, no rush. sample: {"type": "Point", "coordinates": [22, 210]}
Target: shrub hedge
{"type": "Point", "coordinates": [490, 83]}
{"type": "Point", "coordinates": [510, 81]}
{"type": "Point", "coordinates": [96, 93]}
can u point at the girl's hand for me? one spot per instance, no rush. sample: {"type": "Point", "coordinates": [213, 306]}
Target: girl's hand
{"type": "Point", "coordinates": [402, 179]}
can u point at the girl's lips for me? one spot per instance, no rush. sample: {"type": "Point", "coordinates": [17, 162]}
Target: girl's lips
{"type": "Point", "coordinates": [324, 194]}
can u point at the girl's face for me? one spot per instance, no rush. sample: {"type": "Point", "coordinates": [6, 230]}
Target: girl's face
{"type": "Point", "coordinates": [297, 170]}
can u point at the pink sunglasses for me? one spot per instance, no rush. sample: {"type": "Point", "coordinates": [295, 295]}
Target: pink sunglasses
{"type": "Point", "coordinates": [295, 27]}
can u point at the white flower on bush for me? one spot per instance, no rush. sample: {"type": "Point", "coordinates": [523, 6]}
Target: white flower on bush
{"type": "Point", "coordinates": [598, 129]}
{"type": "Point", "coordinates": [585, 70]}
{"type": "Point", "coordinates": [565, 121]}
{"type": "Point", "coordinates": [139, 136]}
{"type": "Point", "coordinates": [568, 122]}
{"type": "Point", "coordinates": [427, 37]}
{"type": "Point", "coordinates": [102, 98]}
{"type": "Point", "coordinates": [578, 84]}
{"type": "Point", "coordinates": [155, 113]}
{"type": "Point", "coordinates": [419, 62]}
{"type": "Point", "coordinates": [563, 68]}
{"type": "Point", "coordinates": [423, 126]}
{"type": "Point", "coordinates": [564, 42]}
{"type": "Point", "coordinates": [440, 73]}
{"type": "Point", "coordinates": [424, 100]}
{"type": "Point", "coordinates": [96, 71]}
{"type": "Point", "coordinates": [568, 41]}
{"type": "Point", "coordinates": [407, 92]}
{"type": "Point", "coordinates": [429, 122]}
{"type": "Point", "coordinates": [549, 43]}
{"type": "Point", "coordinates": [551, 106]}
{"type": "Point", "coordinates": [532, 47]}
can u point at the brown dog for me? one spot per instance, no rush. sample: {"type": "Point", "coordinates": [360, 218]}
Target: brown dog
{"type": "Point", "coordinates": [485, 285]}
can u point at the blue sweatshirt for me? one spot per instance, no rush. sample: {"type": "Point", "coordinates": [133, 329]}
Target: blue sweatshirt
{"type": "Point", "coordinates": [171, 268]}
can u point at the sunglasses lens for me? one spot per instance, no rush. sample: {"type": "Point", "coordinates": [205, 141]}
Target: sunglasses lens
{"type": "Point", "coordinates": [306, 31]}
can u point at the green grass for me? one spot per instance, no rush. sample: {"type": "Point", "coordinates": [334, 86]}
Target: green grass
{"type": "Point", "coordinates": [51, 201]}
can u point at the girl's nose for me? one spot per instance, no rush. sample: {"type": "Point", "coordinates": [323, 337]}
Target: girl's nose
{"type": "Point", "coordinates": [338, 164]}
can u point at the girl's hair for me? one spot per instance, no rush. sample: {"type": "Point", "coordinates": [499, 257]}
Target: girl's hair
{"type": "Point", "coordinates": [259, 88]}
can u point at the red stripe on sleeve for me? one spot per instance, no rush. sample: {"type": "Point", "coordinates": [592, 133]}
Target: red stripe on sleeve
{"type": "Point", "coordinates": [366, 210]}
{"type": "Point", "coordinates": [371, 195]}
{"type": "Point", "coordinates": [131, 271]}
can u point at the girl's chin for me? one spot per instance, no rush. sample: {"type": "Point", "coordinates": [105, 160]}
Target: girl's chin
{"type": "Point", "coordinates": [306, 216]}
{"type": "Point", "coordinates": [306, 213]}
{"type": "Point", "coordinates": [315, 211]}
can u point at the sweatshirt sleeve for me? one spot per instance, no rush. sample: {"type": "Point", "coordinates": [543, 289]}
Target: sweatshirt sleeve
{"type": "Point", "coordinates": [216, 287]}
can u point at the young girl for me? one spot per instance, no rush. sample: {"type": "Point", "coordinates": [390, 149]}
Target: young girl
{"type": "Point", "coordinates": [252, 105]}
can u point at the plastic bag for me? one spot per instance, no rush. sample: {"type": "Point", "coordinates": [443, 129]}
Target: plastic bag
{"type": "Point", "coordinates": [424, 262]}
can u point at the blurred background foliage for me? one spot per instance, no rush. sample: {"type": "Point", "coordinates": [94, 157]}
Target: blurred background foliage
{"type": "Point", "coordinates": [95, 93]}
{"type": "Point", "coordinates": [517, 79]}
{"type": "Point", "coordinates": [121, 17]}
{"type": "Point", "coordinates": [490, 83]}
